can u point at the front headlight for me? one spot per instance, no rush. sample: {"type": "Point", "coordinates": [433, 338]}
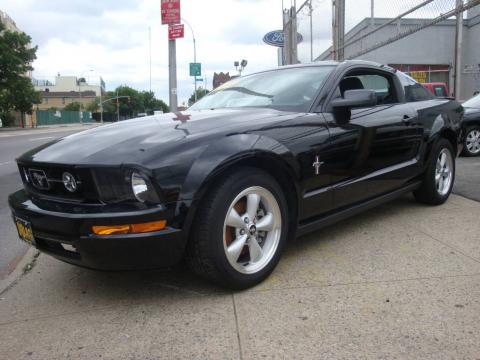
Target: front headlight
{"type": "Point", "coordinates": [143, 189]}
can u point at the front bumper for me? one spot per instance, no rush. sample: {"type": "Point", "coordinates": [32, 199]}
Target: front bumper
{"type": "Point", "coordinates": [67, 236]}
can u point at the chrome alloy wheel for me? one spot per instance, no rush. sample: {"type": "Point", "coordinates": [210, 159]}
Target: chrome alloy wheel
{"type": "Point", "coordinates": [473, 141]}
{"type": "Point", "coordinates": [444, 172]}
{"type": "Point", "coordinates": [252, 230]}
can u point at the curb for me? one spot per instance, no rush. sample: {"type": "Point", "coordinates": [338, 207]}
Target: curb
{"type": "Point", "coordinates": [22, 268]}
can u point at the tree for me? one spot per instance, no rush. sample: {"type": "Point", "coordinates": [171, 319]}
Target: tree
{"type": "Point", "coordinates": [137, 102]}
{"type": "Point", "coordinates": [94, 105]}
{"type": "Point", "coordinates": [73, 106]}
{"type": "Point", "coordinates": [201, 92]}
{"type": "Point", "coordinates": [151, 103]}
{"type": "Point", "coordinates": [16, 56]}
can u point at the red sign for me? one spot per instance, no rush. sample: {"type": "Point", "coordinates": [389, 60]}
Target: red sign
{"type": "Point", "coordinates": [175, 32]}
{"type": "Point", "coordinates": [170, 12]}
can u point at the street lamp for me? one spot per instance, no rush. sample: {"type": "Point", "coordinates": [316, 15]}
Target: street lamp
{"type": "Point", "coordinates": [194, 54]}
{"type": "Point", "coordinates": [80, 93]}
{"type": "Point", "coordinates": [240, 66]}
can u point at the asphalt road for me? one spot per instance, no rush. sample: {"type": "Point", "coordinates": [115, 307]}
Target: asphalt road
{"type": "Point", "coordinates": [467, 182]}
{"type": "Point", "coordinates": [12, 144]}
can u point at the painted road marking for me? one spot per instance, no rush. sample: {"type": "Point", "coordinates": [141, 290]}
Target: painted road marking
{"type": "Point", "coordinates": [6, 163]}
{"type": "Point", "coordinates": [42, 138]}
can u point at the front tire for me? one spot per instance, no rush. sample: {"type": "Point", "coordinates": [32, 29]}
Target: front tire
{"type": "Point", "coordinates": [440, 175]}
{"type": "Point", "coordinates": [240, 230]}
{"type": "Point", "coordinates": [471, 142]}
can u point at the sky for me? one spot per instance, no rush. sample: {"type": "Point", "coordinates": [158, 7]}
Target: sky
{"type": "Point", "coordinates": [111, 37]}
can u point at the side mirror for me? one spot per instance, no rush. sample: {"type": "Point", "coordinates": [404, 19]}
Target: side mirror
{"type": "Point", "coordinates": [352, 99]}
{"type": "Point", "coordinates": [355, 99]}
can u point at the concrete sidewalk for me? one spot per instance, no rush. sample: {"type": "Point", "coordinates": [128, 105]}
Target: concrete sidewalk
{"type": "Point", "coordinates": [399, 282]}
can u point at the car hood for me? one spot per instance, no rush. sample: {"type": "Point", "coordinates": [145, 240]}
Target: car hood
{"type": "Point", "coordinates": [136, 140]}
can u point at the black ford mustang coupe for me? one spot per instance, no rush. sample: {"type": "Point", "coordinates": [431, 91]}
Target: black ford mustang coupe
{"type": "Point", "coordinates": [224, 185]}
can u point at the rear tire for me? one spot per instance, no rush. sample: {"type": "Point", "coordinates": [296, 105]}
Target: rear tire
{"type": "Point", "coordinates": [471, 142]}
{"type": "Point", "coordinates": [240, 230]}
{"type": "Point", "coordinates": [440, 175]}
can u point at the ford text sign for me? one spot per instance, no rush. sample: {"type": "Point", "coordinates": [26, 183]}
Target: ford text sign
{"type": "Point", "coordinates": [276, 38]}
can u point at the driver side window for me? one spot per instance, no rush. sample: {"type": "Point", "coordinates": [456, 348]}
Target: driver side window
{"type": "Point", "coordinates": [382, 85]}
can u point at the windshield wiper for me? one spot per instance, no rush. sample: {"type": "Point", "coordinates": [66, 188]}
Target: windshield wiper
{"type": "Point", "coordinates": [248, 92]}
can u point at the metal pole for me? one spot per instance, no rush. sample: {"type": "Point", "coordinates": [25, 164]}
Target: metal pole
{"type": "Point", "coordinates": [150, 53]}
{"type": "Point", "coordinates": [80, 96]}
{"type": "Point", "coordinates": [118, 109]}
{"type": "Point", "coordinates": [172, 68]}
{"type": "Point", "coordinates": [334, 31]}
{"type": "Point", "coordinates": [372, 12]}
{"type": "Point", "coordinates": [458, 51]}
{"type": "Point", "coordinates": [101, 105]}
{"type": "Point", "coordinates": [195, 61]}
{"type": "Point", "coordinates": [293, 34]}
{"type": "Point", "coordinates": [338, 29]}
{"type": "Point", "coordinates": [286, 37]}
{"type": "Point", "coordinates": [194, 55]}
{"type": "Point", "coordinates": [341, 29]}
{"type": "Point", "coordinates": [311, 31]}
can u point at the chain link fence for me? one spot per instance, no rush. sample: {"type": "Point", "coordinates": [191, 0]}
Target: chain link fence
{"type": "Point", "coordinates": [391, 21]}
{"type": "Point", "coordinates": [419, 37]}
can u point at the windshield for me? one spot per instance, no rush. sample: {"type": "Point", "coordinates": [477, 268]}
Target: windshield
{"type": "Point", "coordinates": [474, 102]}
{"type": "Point", "coordinates": [284, 88]}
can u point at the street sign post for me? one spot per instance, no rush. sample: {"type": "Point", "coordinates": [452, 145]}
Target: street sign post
{"type": "Point", "coordinates": [176, 32]}
{"type": "Point", "coordinates": [195, 69]}
{"type": "Point", "coordinates": [170, 12]}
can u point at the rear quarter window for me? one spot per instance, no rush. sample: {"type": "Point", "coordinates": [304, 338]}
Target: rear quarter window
{"type": "Point", "coordinates": [414, 91]}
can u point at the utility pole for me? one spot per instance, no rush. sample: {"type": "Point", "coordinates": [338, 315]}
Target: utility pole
{"type": "Point", "coordinates": [172, 78]}
{"type": "Point", "coordinates": [338, 29]}
{"type": "Point", "coordinates": [101, 105]}
{"type": "Point", "coordinates": [150, 54]}
{"type": "Point", "coordinates": [118, 108]}
{"type": "Point", "coordinates": [80, 97]}
{"type": "Point", "coordinates": [372, 13]}
{"type": "Point", "coordinates": [458, 51]}
{"type": "Point", "coordinates": [80, 93]}
{"type": "Point", "coordinates": [290, 36]}
{"type": "Point", "coordinates": [170, 14]}
{"type": "Point", "coordinates": [194, 54]}
{"type": "Point", "coordinates": [311, 29]}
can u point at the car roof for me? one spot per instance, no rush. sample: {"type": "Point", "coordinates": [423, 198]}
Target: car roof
{"type": "Point", "coordinates": [346, 63]}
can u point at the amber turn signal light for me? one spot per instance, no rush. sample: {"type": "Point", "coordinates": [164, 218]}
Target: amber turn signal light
{"type": "Point", "coordinates": [129, 228]}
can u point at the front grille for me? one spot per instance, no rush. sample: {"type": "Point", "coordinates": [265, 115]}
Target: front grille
{"type": "Point", "coordinates": [48, 182]}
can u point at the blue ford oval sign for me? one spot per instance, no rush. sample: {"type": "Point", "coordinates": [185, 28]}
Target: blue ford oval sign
{"type": "Point", "coordinates": [276, 38]}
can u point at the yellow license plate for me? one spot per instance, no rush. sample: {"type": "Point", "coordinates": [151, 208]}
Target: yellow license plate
{"type": "Point", "coordinates": [24, 229]}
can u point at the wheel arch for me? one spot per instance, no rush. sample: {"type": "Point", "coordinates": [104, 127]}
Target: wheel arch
{"type": "Point", "coordinates": [275, 160]}
{"type": "Point", "coordinates": [451, 136]}
{"type": "Point", "coordinates": [470, 123]}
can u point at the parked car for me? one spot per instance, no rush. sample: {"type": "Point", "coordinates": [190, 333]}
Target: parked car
{"type": "Point", "coordinates": [258, 161]}
{"type": "Point", "coordinates": [439, 89]}
{"type": "Point", "coordinates": [471, 127]}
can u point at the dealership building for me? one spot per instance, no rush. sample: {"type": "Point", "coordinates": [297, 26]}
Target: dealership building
{"type": "Point", "coordinates": [427, 55]}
